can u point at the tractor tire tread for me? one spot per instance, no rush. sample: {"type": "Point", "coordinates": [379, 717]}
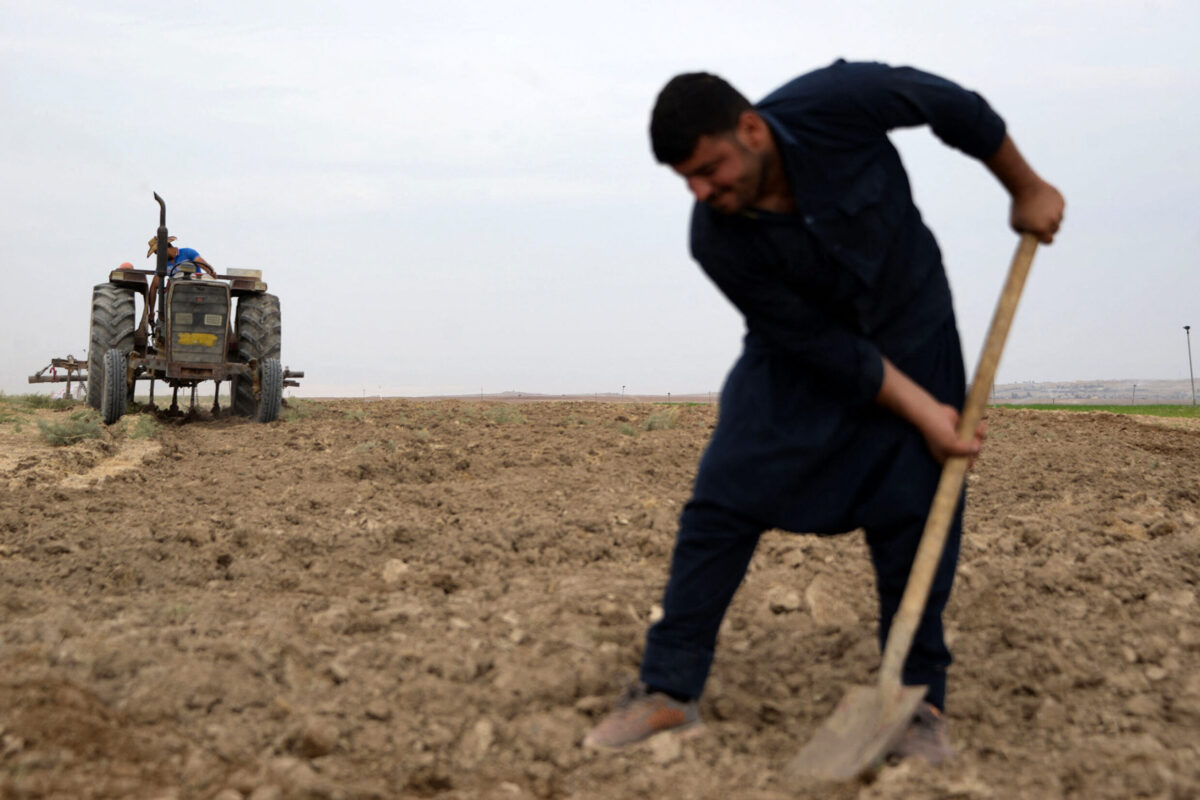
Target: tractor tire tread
{"type": "Point", "coordinates": [111, 328]}
{"type": "Point", "coordinates": [259, 337]}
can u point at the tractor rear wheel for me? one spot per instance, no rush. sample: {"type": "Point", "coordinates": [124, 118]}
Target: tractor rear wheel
{"type": "Point", "coordinates": [111, 328]}
{"type": "Point", "coordinates": [112, 404]}
{"type": "Point", "coordinates": [259, 337]}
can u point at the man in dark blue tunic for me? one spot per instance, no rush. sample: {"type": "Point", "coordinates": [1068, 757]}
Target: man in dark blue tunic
{"type": "Point", "coordinates": [845, 400]}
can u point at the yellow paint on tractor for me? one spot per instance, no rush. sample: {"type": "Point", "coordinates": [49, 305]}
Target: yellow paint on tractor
{"type": "Point", "coordinates": [202, 339]}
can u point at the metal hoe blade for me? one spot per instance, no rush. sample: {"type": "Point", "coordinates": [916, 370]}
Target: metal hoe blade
{"type": "Point", "coordinates": [857, 737]}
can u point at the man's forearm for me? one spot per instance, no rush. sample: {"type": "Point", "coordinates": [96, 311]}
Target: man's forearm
{"type": "Point", "coordinates": [936, 421]}
{"type": "Point", "coordinates": [905, 398]}
{"type": "Point", "coordinates": [1037, 207]}
{"type": "Point", "coordinates": [1011, 169]}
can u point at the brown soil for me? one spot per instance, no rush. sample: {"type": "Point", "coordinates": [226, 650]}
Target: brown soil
{"type": "Point", "coordinates": [437, 598]}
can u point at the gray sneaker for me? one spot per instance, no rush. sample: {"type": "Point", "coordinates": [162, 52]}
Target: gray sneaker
{"type": "Point", "coordinates": [640, 714]}
{"type": "Point", "coordinates": [927, 738]}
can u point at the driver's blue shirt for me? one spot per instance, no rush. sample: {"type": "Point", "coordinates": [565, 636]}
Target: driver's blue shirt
{"type": "Point", "coordinates": [185, 254]}
{"type": "Point", "coordinates": [852, 276]}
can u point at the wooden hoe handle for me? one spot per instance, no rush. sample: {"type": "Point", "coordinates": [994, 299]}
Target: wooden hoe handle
{"type": "Point", "coordinates": [941, 512]}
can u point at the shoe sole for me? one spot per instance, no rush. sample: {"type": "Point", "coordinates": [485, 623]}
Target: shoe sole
{"type": "Point", "coordinates": [685, 732]}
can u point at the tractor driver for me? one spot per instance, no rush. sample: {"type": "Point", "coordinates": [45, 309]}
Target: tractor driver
{"type": "Point", "coordinates": [176, 256]}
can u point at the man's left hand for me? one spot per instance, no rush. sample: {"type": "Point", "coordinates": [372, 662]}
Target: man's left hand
{"type": "Point", "coordinates": [1038, 209]}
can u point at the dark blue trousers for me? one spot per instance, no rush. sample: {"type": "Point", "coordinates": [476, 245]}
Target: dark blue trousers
{"type": "Point", "coordinates": [711, 555]}
{"type": "Point", "coordinates": [879, 477]}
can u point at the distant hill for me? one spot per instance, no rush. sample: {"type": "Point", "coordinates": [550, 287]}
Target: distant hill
{"type": "Point", "coordinates": [1126, 392]}
{"type": "Point", "coordinates": [1112, 392]}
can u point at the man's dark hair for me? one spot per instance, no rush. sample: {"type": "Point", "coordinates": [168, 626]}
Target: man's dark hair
{"type": "Point", "coordinates": [692, 105]}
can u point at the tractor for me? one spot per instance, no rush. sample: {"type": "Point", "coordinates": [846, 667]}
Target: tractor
{"type": "Point", "coordinates": [192, 338]}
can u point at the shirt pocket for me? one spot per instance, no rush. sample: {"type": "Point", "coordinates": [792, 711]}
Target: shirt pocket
{"type": "Point", "coordinates": [859, 230]}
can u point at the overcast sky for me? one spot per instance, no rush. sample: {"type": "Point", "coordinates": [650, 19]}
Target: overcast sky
{"type": "Point", "coordinates": [451, 197]}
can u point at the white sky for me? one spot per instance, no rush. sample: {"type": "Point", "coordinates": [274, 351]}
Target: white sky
{"type": "Point", "coordinates": [456, 196]}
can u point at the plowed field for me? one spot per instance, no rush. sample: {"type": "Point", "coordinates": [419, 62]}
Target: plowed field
{"type": "Point", "coordinates": [437, 599]}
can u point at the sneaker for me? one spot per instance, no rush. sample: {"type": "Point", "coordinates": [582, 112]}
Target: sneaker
{"type": "Point", "coordinates": [639, 715]}
{"type": "Point", "coordinates": [927, 738]}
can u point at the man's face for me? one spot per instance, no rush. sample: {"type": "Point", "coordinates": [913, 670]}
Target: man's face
{"type": "Point", "coordinates": [172, 251]}
{"type": "Point", "coordinates": [723, 172]}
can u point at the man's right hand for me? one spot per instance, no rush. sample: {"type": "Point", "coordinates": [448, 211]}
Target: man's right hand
{"type": "Point", "coordinates": [940, 430]}
{"type": "Point", "coordinates": [937, 422]}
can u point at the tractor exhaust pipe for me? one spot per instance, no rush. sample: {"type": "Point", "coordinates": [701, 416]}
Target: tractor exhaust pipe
{"type": "Point", "coordinates": [160, 267]}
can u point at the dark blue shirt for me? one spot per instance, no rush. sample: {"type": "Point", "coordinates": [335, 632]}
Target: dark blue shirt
{"type": "Point", "coordinates": [854, 273]}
